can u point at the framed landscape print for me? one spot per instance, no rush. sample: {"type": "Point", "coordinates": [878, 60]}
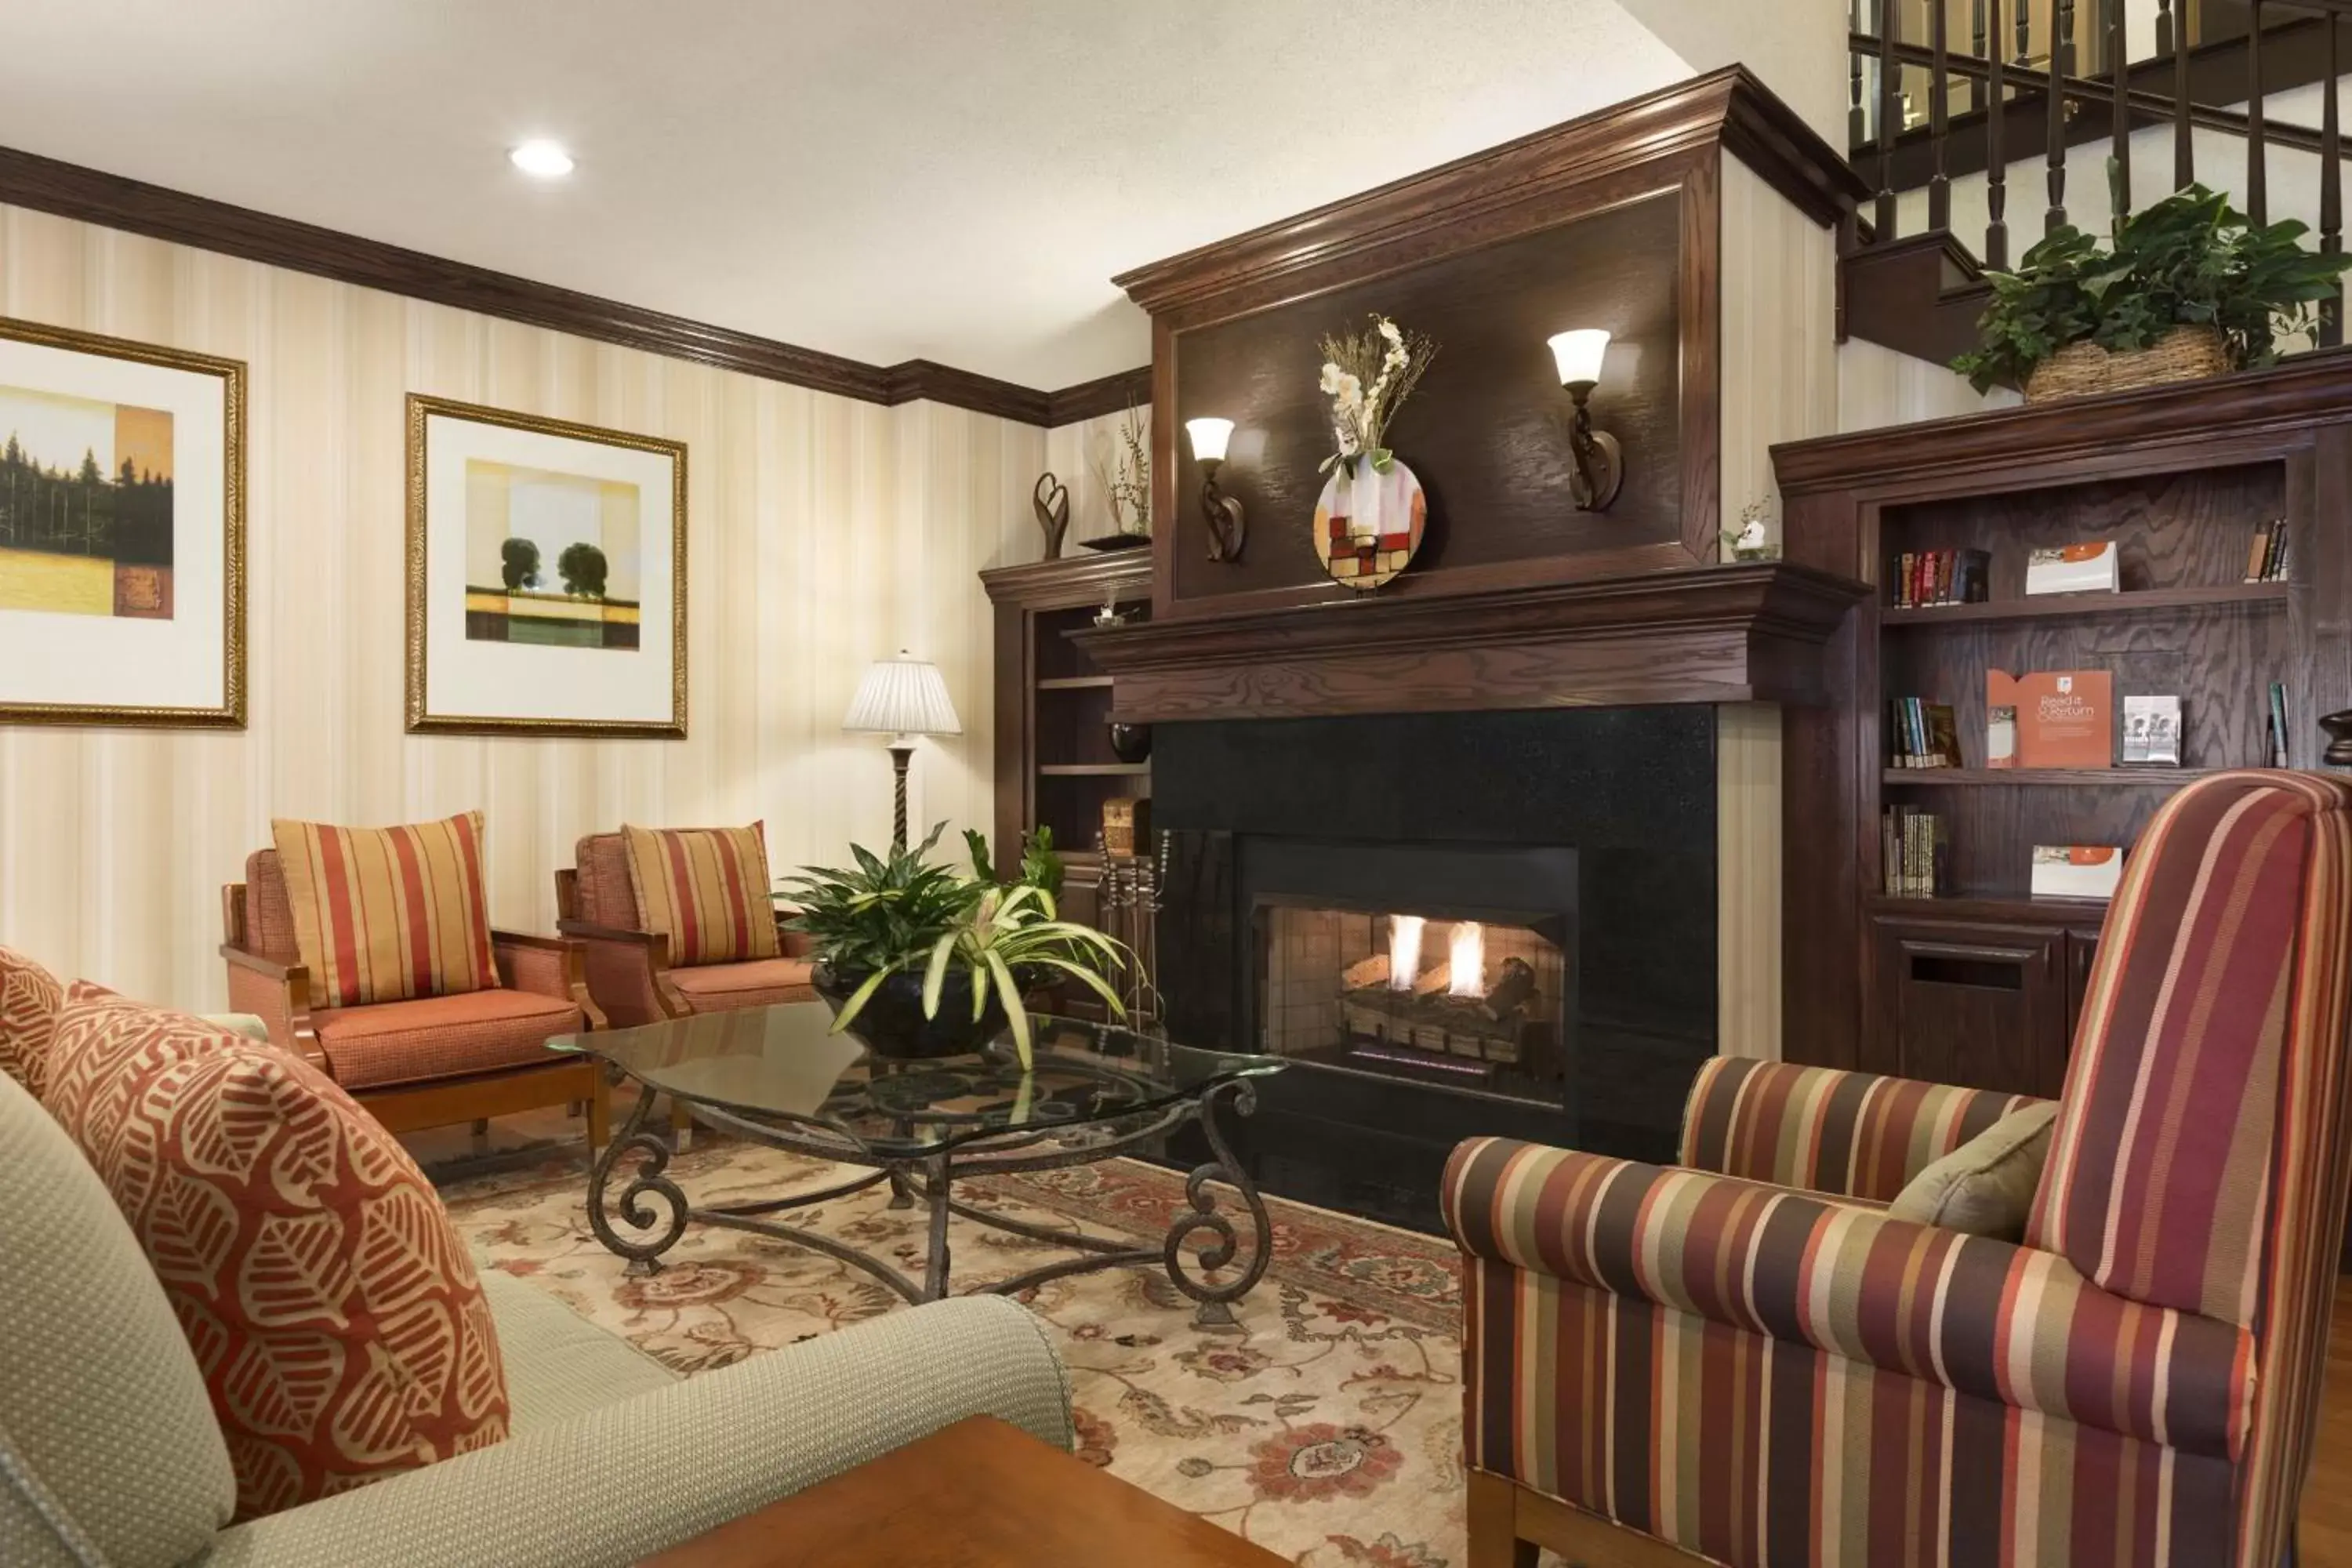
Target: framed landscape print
{"type": "Point", "coordinates": [546, 576]}
{"type": "Point", "coordinates": [121, 532]}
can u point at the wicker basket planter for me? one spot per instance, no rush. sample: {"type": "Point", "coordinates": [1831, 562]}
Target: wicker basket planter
{"type": "Point", "coordinates": [2085, 368]}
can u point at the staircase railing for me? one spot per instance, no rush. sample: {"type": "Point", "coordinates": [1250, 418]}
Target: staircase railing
{"type": "Point", "coordinates": [2060, 72]}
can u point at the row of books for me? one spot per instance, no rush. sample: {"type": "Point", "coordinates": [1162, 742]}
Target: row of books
{"type": "Point", "coordinates": [1916, 848]}
{"type": "Point", "coordinates": [2267, 559]}
{"type": "Point", "coordinates": [1926, 734]}
{"type": "Point", "coordinates": [1942, 577]}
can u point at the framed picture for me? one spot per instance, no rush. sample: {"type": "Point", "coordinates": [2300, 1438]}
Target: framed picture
{"type": "Point", "coordinates": [546, 576]}
{"type": "Point", "coordinates": [121, 532]}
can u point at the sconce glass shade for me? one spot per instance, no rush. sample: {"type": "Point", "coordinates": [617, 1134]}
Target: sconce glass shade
{"type": "Point", "coordinates": [1209, 438]}
{"type": "Point", "coordinates": [903, 696]}
{"type": "Point", "coordinates": [1579, 354]}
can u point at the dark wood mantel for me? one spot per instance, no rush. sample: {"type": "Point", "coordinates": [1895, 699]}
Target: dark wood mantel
{"type": "Point", "coordinates": [1750, 632]}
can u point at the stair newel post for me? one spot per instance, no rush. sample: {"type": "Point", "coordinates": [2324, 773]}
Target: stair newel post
{"type": "Point", "coordinates": [1996, 165]}
{"type": "Point", "coordinates": [2257, 165]}
{"type": "Point", "coordinates": [2331, 191]}
{"type": "Point", "coordinates": [2061, 16]}
{"type": "Point", "coordinates": [1890, 114]}
{"type": "Point", "coordinates": [1940, 83]}
{"type": "Point", "coordinates": [2184, 144]}
{"type": "Point", "coordinates": [2119, 142]}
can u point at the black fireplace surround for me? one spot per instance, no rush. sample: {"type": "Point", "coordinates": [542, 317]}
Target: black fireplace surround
{"type": "Point", "coordinates": [1597, 826]}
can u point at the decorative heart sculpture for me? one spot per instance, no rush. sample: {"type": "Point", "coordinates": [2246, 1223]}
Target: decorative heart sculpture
{"type": "Point", "coordinates": [1051, 500]}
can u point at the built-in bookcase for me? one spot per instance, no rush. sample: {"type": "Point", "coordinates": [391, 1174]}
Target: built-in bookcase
{"type": "Point", "coordinates": [2184, 624]}
{"type": "Point", "coordinates": [1982, 983]}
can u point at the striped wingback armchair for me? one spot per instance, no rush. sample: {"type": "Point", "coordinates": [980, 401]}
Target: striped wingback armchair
{"type": "Point", "coordinates": [1742, 1358]}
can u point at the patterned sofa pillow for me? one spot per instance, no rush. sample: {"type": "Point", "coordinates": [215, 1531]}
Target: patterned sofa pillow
{"type": "Point", "coordinates": [342, 1333]}
{"type": "Point", "coordinates": [29, 995]}
{"type": "Point", "coordinates": [705, 889]}
{"type": "Point", "coordinates": [387, 914]}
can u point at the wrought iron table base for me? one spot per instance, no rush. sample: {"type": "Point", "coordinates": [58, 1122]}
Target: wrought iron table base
{"type": "Point", "coordinates": [931, 1179]}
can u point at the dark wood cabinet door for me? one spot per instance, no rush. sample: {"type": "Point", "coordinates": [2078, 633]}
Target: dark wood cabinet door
{"type": "Point", "coordinates": [1979, 1005]}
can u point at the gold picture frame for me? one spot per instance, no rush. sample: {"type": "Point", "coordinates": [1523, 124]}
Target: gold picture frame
{"type": "Point", "coordinates": [220, 708]}
{"type": "Point", "coordinates": [430, 588]}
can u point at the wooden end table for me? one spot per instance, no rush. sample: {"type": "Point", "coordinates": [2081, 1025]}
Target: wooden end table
{"type": "Point", "coordinates": [978, 1494]}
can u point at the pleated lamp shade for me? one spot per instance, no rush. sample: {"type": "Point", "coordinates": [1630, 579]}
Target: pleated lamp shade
{"type": "Point", "coordinates": [903, 696]}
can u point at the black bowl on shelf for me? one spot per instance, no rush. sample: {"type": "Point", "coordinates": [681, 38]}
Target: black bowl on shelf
{"type": "Point", "coordinates": [1130, 742]}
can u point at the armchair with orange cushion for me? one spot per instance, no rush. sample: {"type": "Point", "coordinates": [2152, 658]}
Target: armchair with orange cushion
{"type": "Point", "coordinates": [678, 922]}
{"type": "Point", "coordinates": [1747, 1359]}
{"type": "Point", "coordinates": [371, 956]}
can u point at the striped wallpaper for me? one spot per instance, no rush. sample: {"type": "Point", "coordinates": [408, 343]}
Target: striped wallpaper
{"type": "Point", "coordinates": [823, 532]}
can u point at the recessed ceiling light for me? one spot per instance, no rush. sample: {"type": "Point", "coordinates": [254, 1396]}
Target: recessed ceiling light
{"type": "Point", "coordinates": [542, 159]}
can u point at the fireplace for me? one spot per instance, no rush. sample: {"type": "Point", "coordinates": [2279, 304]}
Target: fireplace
{"type": "Point", "coordinates": [1453, 924]}
{"type": "Point", "coordinates": [1444, 964]}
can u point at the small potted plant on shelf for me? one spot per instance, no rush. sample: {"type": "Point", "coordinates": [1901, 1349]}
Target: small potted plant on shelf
{"type": "Point", "coordinates": [2185, 289]}
{"type": "Point", "coordinates": [918, 960]}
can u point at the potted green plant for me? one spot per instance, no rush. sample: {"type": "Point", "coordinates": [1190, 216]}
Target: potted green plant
{"type": "Point", "coordinates": [918, 960]}
{"type": "Point", "coordinates": [2186, 287]}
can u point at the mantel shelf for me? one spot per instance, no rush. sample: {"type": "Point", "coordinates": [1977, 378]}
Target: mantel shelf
{"type": "Point", "coordinates": [1745, 633]}
{"type": "Point", "coordinates": [2131, 777]}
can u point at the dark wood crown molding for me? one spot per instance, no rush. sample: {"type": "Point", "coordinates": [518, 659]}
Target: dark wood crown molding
{"type": "Point", "coordinates": [1727, 108]}
{"type": "Point", "coordinates": [1105, 394]}
{"type": "Point", "coordinates": [2287, 397]}
{"type": "Point", "coordinates": [134, 207]}
{"type": "Point", "coordinates": [1711, 634]}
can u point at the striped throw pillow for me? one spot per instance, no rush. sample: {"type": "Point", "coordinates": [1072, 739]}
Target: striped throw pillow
{"type": "Point", "coordinates": [705, 889]}
{"type": "Point", "coordinates": [386, 914]}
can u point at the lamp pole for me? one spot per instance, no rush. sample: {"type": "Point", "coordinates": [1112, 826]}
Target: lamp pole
{"type": "Point", "coordinates": [902, 751]}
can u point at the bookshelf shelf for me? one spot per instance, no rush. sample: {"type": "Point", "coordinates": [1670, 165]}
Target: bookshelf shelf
{"type": "Point", "coordinates": [1093, 770]}
{"type": "Point", "coordinates": [2061, 778]}
{"type": "Point", "coordinates": [1076, 683]}
{"type": "Point", "coordinates": [2088, 606]}
{"type": "Point", "coordinates": [1988, 904]}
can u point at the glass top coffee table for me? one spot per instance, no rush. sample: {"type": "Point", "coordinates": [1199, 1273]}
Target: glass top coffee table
{"type": "Point", "coordinates": [777, 1076]}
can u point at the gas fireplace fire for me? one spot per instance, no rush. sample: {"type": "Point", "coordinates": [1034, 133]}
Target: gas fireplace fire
{"type": "Point", "coordinates": [1474, 1002]}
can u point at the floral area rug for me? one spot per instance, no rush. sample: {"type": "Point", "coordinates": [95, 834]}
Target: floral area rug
{"type": "Point", "coordinates": [1326, 1426]}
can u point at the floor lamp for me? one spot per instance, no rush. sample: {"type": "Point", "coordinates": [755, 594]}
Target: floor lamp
{"type": "Point", "coordinates": [902, 697]}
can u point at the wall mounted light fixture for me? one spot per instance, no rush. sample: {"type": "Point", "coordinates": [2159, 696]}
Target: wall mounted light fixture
{"type": "Point", "coordinates": [1600, 467]}
{"type": "Point", "coordinates": [1227, 527]}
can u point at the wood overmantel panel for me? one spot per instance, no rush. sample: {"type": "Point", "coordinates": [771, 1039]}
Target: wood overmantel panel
{"type": "Point", "coordinates": [1745, 633]}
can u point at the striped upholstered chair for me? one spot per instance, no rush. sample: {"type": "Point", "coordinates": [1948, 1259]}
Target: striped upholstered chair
{"type": "Point", "coordinates": [1742, 1358]}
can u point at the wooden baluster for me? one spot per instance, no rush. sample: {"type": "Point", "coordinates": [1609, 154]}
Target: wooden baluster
{"type": "Point", "coordinates": [2119, 144]}
{"type": "Point", "coordinates": [1857, 117]}
{"type": "Point", "coordinates": [2024, 30]}
{"type": "Point", "coordinates": [1939, 82]}
{"type": "Point", "coordinates": [1981, 36]}
{"type": "Point", "coordinates": [2257, 165]}
{"type": "Point", "coordinates": [2331, 192]}
{"type": "Point", "coordinates": [2164, 26]}
{"type": "Point", "coordinates": [2055, 132]}
{"type": "Point", "coordinates": [1996, 164]}
{"type": "Point", "coordinates": [2184, 145]}
{"type": "Point", "coordinates": [1890, 114]}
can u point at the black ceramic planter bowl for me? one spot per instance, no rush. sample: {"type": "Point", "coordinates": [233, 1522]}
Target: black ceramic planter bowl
{"type": "Point", "coordinates": [1130, 742]}
{"type": "Point", "coordinates": [891, 1024]}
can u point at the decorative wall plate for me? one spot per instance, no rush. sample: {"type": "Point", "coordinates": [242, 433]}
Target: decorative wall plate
{"type": "Point", "coordinates": [1368, 525]}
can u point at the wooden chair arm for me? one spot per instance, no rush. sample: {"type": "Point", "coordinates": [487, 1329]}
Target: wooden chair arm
{"type": "Point", "coordinates": [285, 973]}
{"type": "Point", "coordinates": [280, 994]}
{"type": "Point", "coordinates": [585, 931]}
{"type": "Point", "coordinates": [525, 938]}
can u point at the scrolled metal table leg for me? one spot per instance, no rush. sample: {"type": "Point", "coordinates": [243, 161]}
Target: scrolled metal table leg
{"type": "Point", "coordinates": [935, 1270]}
{"type": "Point", "coordinates": [644, 1255]}
{"type": "Point", "coordinates": [1216, 1309]}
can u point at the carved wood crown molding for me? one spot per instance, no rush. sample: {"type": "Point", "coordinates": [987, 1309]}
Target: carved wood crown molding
{"type": "Point", "coordinates": [1749, 632]}
{"type": "Point", "coordinates": [134, 207]}
{"type": "Point", "coordinates": [2287, 398]}
{"type": "Point", "coordinates": [1727, 108]}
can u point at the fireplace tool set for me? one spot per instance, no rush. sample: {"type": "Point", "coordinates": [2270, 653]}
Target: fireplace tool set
{"type": "Point", "coordinates": [1130, 901]}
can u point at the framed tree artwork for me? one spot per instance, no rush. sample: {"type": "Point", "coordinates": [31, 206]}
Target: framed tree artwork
{"type": "Point", "coordinates": [546, 576]}
{"type": "Point", "coordinates": [121, 532]}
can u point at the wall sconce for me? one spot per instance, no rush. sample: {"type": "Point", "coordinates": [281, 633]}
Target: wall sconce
{"type": "Point", "coordinates": [1599, 463]}
{"type": "Point", "coordinates": [1227, 527]}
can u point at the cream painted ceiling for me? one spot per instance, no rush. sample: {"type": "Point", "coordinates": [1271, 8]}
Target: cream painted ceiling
{"type": "Point", "coordinates": [954, 180]}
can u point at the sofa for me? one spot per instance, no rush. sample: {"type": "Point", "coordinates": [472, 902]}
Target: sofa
{"type": "Point", "coordinates": [1743, 1359]}
{"type": "Point", "coordinates": [110, 1455]}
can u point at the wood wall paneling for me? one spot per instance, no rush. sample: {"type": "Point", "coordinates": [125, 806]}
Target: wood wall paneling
{"type": "Point", "coordinates": [1485, 431]}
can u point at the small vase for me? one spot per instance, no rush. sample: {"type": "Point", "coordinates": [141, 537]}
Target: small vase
{"type": "Point", "coordinates": [1368, 524]}
{"type": "Point", "coordinates": [1130, 742]}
